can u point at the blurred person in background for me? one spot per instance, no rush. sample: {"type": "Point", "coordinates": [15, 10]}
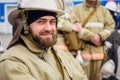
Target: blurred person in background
{"type": "Point", "coordinates": [65, 26]}
{"type": "Point", "coordinates": [113, 39]}
{"type": "Point", "coordinates": [97, 24]}
{"type": "Point", "coordinates": [64, 23]}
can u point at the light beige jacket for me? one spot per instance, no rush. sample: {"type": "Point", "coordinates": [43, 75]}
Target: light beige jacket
{"type": "Point", "coordinates": [100, 23]}
{"type": "Point", "coordinates": [29, 62]}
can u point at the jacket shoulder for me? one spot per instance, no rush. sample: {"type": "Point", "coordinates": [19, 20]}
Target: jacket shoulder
{"type": "Point", "coordinates": [18, 51]}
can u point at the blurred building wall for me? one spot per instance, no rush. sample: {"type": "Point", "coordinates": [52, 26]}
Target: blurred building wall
{"type": "Point", "coordinates": [5, 7]}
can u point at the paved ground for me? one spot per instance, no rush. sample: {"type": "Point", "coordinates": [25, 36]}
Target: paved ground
{"type": "Point", "coordinates": [6, 38]}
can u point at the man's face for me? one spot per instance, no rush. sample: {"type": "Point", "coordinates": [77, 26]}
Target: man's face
{"type": "Point", "coordinates": [44, 31]}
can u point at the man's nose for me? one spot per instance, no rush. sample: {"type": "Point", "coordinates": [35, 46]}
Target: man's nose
{"type": "Point", "coordinates": [48, 26]}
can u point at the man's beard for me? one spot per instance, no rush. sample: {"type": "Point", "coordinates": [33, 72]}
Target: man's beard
{"type": "Point", "coordinates": [45, 42]}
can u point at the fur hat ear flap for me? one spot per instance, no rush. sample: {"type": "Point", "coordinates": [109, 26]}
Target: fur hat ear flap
{"type": "Point", "coordinates": [25, 25]}
{"type": "Point", "coordinates": [26, 29]}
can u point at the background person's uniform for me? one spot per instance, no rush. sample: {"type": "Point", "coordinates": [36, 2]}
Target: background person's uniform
{"type": "Point", "coordinates": [100, 23]}
{"type": "Point", "coordinates": [64, 25]}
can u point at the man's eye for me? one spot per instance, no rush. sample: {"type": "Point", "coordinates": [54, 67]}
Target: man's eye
{"type": "Point", "coordinates": [41, 21]}
{"type": "Point", "coordinates": [53, 22]}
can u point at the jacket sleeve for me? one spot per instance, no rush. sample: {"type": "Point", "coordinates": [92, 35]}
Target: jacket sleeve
{"type": "Point", "coordinates": [108, 25]}
{"type": "Point", "coordinates": [13, 69]}
{"type": "Point", "coordinates": [64, 23]}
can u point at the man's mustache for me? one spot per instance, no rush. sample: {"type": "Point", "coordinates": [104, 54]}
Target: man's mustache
{"type": "Point", "coordinates": [46, 32]}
